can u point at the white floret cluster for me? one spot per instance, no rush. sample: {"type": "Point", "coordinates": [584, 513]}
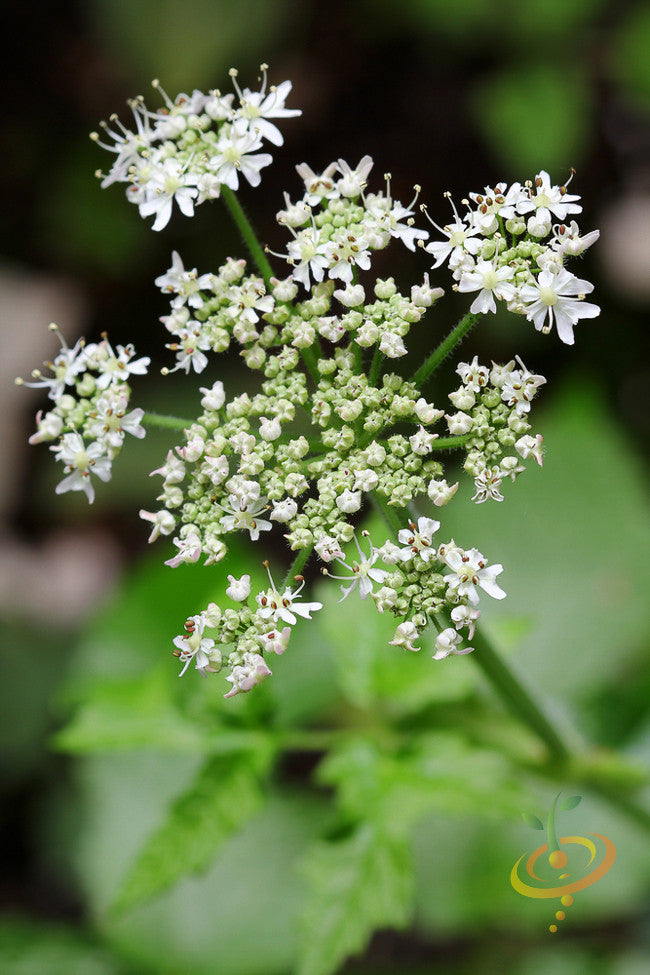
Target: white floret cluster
{"type": "Point", "coordinates": [188, 149]}
{"type": "Point", "coordinates": [88, 420]}
{"type": "Point", "coordinates": [327, 428]}
{"type": "Point", "coordinates": [507, 247]}
{"type": "Point", "coordinates": [492, 408]}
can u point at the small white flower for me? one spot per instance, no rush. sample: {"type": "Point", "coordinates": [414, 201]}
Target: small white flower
{"type": "Point", "coordinates": [448, 642]}
{"type": "Point", "coordinates": [363, 573]}
{"type": "Point", "coordinates": [244, 515]}
{"type": "Point", "coordinates": [186, 284]}
{"type": "Point", "coordinates": [276, 607]}
{"type": "Point", "coordinates": [546, 200]}
{"type": "Point", "coordinates": [519, 388]}
{"type": "Point", "coordinates": [284, 511]}
{"type": "Point", "coordinates": [354, 181]}
{"type": "Point", "coordinates": [528, 446]}
{"type": "Point", "coordinates": [459, 424]}
{"type": "Point", "coordinates": [440, 492]}
{"type": "Point", "coordinates": [189, 549]}
{"type": "Point", "coordinates": [557, 299]}
{"type": "Point", "coordinates": [421, 442]}
{"type": "Point", "coordinates": [418, 539]}
{"type": "Point", "coordinates": [252, 671]}
{"type": "Point", "coordinates": [237, 152]}
{"type": "Point", "coordinates": [258, 107]}
{"type": "Point", "coordinates": [487, 484]}
{"type": "Point", "coordinates": [239, 589]}
{"type": "Point", "coordinates": [349, 501]}
{"type": "Point", "coordinates": [469, 571]}
{"type": "Point", "coordinates": [194, 646]}
{"type": "Point", "coordinates": [318, 187]}
{"type": "Point", "coordinates": [328, 548]}
{"type": "Point", "coordinates": [270, 429]}
{"type": "Point", "coordinates": [426, 412]}
{"type": "Point", "coordinates": [163, 522]}
{"type": "Point", "coordinates": [213, 398]}
{"type": "Point", "coordinates": [392, 345]}
{"type": "Point", "coordinates": [351, 296]}
{"type": "Point", "coordinates": [167, 182]}
{"type": "Point", "coordinates": [80, 462]}
{"type": "Point", "coordinates": [464, 617]}
{"type": "Point", "coordinates": [491, 282]}
{"type": "Point", "coordinates": [405, 636]}
{"type": "Point", "coordinates": [276, 641]}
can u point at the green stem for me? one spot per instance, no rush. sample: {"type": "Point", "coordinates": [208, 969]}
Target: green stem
{"type": "Point", "coordinates": [446, 346]}
{"type": "Point", "coordinates": [375, 367]}
{"type": "Point", "coordinates": [297, 566]}
{"type": "Point", "coordinates": [168, 422]}
{"type": "Point", "coordinates": [448, 443]}
{"type": "Point", "coordinates": [248, 234]}
{"type": "Point", "coordinates": [516, 696]}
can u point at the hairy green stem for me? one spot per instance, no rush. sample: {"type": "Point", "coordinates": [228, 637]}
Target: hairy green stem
{"type": "Point", "coordinates": [446, 346]}
{"type": "Point", "coordinates": [246, 230]}
{"type": "Point", "coordinates": [297, 566]}
{"type": "Point", "coordinates": [375, 366]}
{"type": "Point", "coordinates": [168, 422]}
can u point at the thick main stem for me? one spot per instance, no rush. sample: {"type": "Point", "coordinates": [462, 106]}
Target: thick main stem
{"type": "Point", "coordinates": [446, 346]}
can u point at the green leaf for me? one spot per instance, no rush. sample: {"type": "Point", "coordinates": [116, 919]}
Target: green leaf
{"type": "Point", "coordinates": [357, 885]}
{"type": "Point", "coordinates": [131, 713]}
{"type": "Point", "coordinates": [571, 802]}
{"type": "Point", "coordinates": [225, 794]}
{"type": "Point", "coordinates": [436, 772]}
{"type": "Point", "coordinates": [532, 821]}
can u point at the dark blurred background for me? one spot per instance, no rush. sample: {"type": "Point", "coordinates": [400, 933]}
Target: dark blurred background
{"type": "Point", "coordinates": [451, 95]}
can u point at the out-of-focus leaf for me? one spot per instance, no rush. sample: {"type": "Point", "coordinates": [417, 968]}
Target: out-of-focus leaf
{"type": "Point", "coordinates": [535, 117]}
{"type": "Point", "coordinates": [207, 917]}
{"type": "Point", "coordinates": [357, 885]}
{"type": "Point", "coordinates": [131, 714]}
{"type": "Point", "coordinates": [435, 772]}
{"type": "Point", "coordinates": [30, 948]}
{"type": "Point", "coordinates": [224, 795]}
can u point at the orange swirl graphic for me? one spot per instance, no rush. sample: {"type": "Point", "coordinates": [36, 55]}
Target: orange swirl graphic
{"type": "Point", "coordinates": [530, 891]}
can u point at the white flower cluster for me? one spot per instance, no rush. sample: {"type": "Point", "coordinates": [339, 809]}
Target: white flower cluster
{"type": "Point", "coordinates": [188, 149]}
{"type": "Point", "coordinates": [327, 427]}
{"type": "Point", "coordinates": [492, 407]}
{"type": "Point", "coordinates": [255, 631]}
{"type": "Point", "coordinates": [507, 248]}
{"type": "Point", "coordinates": [423, 583]}
{"type": "Point", "coordinates": [89, 388]}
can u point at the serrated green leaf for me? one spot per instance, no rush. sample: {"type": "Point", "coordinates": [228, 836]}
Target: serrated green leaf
{"type": "Point", "coordinates": [357, 885]}
{"type": "Point", "coordinates": [571, 802]}
{"type": "Point", "coordinates": [225, 794]}
{"type": "Point", "coordinates": [532, 821]}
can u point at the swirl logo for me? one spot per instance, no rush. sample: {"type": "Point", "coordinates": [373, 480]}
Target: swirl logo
{"type": "Point", "coordinates": [563, 865]}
